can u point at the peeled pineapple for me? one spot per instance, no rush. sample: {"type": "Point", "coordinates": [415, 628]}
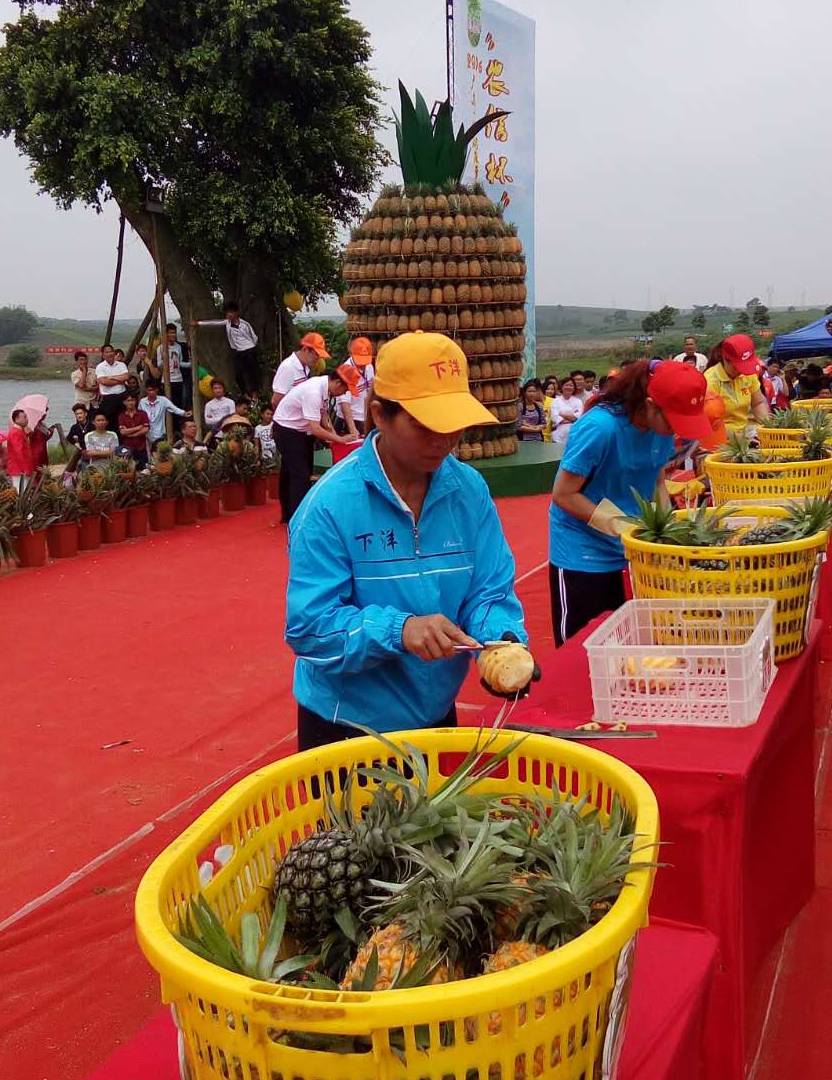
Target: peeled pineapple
{"type": "Point", "coordinates": [507, 669]}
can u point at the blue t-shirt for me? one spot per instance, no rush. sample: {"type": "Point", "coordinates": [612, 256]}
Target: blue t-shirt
{"type": "Point", "coordinates": [614, 456]}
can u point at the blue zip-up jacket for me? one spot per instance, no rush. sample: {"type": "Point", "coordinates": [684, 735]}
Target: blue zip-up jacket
{"type": "Point", "coordinates": [359, 567]}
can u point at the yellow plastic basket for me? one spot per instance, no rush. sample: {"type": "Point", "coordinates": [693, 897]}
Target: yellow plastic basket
{"type": "Point", "coordinates": [550, 1018]}
{"type": "Point", "coordinates": [735, 483]}
{"type": "Point", "coordinates": [787, 572]}
{"type": "Point", "coordinates": [813, 403]}
{"type": "Point", "coordinates": [780, 438]}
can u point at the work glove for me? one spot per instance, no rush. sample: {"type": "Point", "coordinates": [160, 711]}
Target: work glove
{"type": "Point", "coordinates": [608, 519]}
{"type": "Point", "coordinates": [501, 668]}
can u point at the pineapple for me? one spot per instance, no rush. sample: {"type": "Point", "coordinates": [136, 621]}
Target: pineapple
{"type": "Point", "coordinates": [440, 915]}
{"type": "Point", "coordinates": [739, 450]}
{"type": "Point", "coordinates": [322, 874]}
{"type": "Point", "coordinates": [163, 459]}
{"type": "Point", "coordinates": [707, 529]}
{"type": "Point", "coordinates": [818, 433]}
{"type": "Point", "coordinates": [452, 240]}
{"type": "Point", "coordinates": [657, 524]}
{"type": "Point", "coordinates": [318, 877]}
{"type": "Point", "coordinates": [804, 519]}
{"type": "Point", "coordinates": [789, 419]}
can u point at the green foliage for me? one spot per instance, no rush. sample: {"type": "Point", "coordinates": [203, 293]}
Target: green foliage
{"type": "Point", "coordinates": [255, 119]}
{"type": "Point", "coordinates": [761, 315]}
{"type": "Point", "coordinates": [335, 335]}
{"type": "Point", "coordinates": [429, 152]}
{"type": "Point", "coordinates": [656, 321]}
{"type": "Point", "coordinates": [698, 319]}
{"type": "Point", "coordinates": [742, 322]}
{"type": "Point", "coordinates": [24, 356]}
{"type": "Point", "coordinates": [16, 324]}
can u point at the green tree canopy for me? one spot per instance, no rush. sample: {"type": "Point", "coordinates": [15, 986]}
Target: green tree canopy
{"type": "Point", "coordinates": [254, 119]}
{"type": "Point", "coordinates": [698, 319]}
{"type": "Point", "coordinates": [16, 324]}
{"type": "Point", "coordinates": [742, 322]}
{"type": "Point", "coordinates": [24, 355]}
{"type": "Point", "coordinates": [761, 315]}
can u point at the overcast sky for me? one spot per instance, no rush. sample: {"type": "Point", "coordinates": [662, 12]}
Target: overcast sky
{"type": "Point", "coordinates": [683, 156]}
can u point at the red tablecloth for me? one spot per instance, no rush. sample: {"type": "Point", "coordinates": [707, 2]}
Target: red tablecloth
{"type": "Point", "coordinates": [737, 818]}
{"type": "Point", "coordinates": [664, 1029]}
{"type": "Point", "coordinates": [824, 608]}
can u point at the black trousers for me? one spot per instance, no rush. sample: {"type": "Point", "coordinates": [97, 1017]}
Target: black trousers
{"type": "Point", "coordinates": [578, 598]}
{"type": "Point", "coordinates": [314, 731]}
{"type": "Point", "coordinates": [245, 370]}
{"type": "Point", "coordinates": [112, 405]}
{"type": "Point", "coordinates": [297, 454]}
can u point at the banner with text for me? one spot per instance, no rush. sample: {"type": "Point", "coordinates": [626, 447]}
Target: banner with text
{"type": "Point", "coordinates": [494, 69]}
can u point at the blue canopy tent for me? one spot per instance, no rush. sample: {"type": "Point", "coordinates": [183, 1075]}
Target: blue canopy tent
{"type": "Point", "coordinates": [811, 340]}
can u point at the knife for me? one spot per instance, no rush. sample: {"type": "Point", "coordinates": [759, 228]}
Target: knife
{"type": "Point", "coordinates": [480, 648]}
{"type": "Point", "coordinates": [574, 734]}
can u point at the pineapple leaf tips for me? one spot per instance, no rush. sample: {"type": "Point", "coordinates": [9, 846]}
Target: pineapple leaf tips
{"type": "Point", "coordinates": [429, 152]}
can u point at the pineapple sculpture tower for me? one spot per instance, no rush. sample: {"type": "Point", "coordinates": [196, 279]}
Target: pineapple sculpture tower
{"type": "Point", "coordinates": [436, 255]}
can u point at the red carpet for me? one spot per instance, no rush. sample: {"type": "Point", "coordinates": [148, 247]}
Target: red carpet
{"type": "Point", "coordinates": [172, 645]}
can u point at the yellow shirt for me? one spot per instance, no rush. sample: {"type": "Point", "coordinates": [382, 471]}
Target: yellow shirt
{"type": "Point", "coordinates": [736, 393]}
{"type": "Point", "coordinates": [547, 431]}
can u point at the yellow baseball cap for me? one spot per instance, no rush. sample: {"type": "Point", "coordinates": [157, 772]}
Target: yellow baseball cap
{"type": "Point", "coordinates": [427, 374]}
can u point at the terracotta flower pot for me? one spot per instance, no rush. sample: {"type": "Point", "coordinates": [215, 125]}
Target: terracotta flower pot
{"type": "Point", "coordinates": [31, 547]}
{"type": "Point", "coordinates": [138, 520]}
{"type": "Point", "coordinates": [62, 539]}
{"type": "Point", "coordinates": [233, 496]}
{"type": "Point", "coordinates": [273, 484]}
{"type": "Point", "coordinates": [163, 514]}
{"type": "Point", "coordinates": [89, 532]}
{"type": "Point", "coordinates": [186, 510]}
{"type": "Point", "coordinates": [256, 491]}
{"type": "Point", "coordinates": [114, 527]}
{"type": "Point", "coordinates": [208, 506]}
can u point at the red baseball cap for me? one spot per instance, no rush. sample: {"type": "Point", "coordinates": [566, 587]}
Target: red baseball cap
{"type": "Point", "coordinates": [679, 391]}
{"type": "Point", "coordinates": [738, 350]}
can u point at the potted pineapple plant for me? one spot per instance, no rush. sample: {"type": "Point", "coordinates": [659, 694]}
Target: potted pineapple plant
{"type": "Point", "coordinates": [91, 489]}
{"type": "Point", "coordinates": [135, 499]}
{"type": "Point", "coordinates": [31, 517]}
{"type": "Point", "coordinates": [436, 255]}
{"type": "Point", "coordinates": [8, 503]}
{"type": "Point", "coordinates": [120, 477]}
{"type": "Point", "coordinates": [62, 534]}
{"type": "Point", "coordinates": [163, 506]}
{"type": "Point", "coordinates": [185, 484]}
{"type": "Point", "coordinates": [233, 451]}
{"type": "Point", "coordinates": [210, 473]}
{"type": "Point", "coordinates": [252, 466]}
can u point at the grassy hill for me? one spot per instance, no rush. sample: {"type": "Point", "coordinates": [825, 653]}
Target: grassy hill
{"type": "Point", "coordinates": [567, 336]}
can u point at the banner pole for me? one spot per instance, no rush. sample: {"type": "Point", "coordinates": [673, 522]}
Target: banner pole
{"type": "Point", "coordinates": [449, 48]}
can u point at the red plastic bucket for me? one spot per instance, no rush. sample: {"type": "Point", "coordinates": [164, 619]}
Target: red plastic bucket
{"type": "Point", "coordinates": [340, 450]}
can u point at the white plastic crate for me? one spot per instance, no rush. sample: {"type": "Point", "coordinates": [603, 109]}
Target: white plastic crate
{"type": "Point", "coordinates": [697, 662]}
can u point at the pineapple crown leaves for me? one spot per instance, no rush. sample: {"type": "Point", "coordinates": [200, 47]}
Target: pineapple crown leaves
{"type": "Point", "coordinates": [450, 901]}
{"type": "Point", "coordinates": [202, 933]}
{"type": "Point", "coordinates": [656, 523]}
{"type": "Point", "coordinates": [818, 431]}
{"type": "Point", "coordinates": [809, 516]}
{"type": "Point", "coordinates": [429, 152]}
{"type": "Point", "coordinates": [739, 450]}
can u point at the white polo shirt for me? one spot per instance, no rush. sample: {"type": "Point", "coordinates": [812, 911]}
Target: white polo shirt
{"type": "Point", "coordinates": [303, 404]}
{"type": "Point", "coordinates": [109, 371]}
{"type": "Point", "coordinates": [291, 372]}
{"type": "Point", "coordinates": [358, 404]}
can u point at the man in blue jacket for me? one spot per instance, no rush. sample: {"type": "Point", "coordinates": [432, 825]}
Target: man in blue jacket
{"type": "Point", "coordinates": [398, 562]}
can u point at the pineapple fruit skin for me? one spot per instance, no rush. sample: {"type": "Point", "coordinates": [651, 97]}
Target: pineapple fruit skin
{"type": "Point", "coordinates": [396, 956]}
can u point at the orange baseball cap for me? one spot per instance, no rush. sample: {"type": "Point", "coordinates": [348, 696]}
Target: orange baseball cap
{"type": "Point", "coordinates": [361, 350]}
{"type": "Point", "coordinates": [427, 374]}
{"type": "Point", "coordinates": [350, 376]}
{"type": "Point", "coordinates": [316, 342]}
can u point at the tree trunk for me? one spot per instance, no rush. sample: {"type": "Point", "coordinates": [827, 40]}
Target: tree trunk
{"type": "Point", "coordinates": [254, 289]}
{"type": "Point", "coordinates": [117, 281]}
{"type": "Point", "coordinates": [142, 330]}
{"type": "Point", "coordinates": [188, 288]}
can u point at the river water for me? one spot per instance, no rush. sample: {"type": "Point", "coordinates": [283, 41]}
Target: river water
{"type": "Point", "coordinates": [60, 392]}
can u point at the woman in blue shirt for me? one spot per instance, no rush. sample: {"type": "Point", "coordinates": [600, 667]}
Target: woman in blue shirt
{"type": "Point", "coordinates": [623, 442]}
{"type": "Point", "coordinates": [397, 560]}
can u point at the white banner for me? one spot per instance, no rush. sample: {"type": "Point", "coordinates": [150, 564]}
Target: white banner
{"type": "Point", "coordinates": [494, 69]}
